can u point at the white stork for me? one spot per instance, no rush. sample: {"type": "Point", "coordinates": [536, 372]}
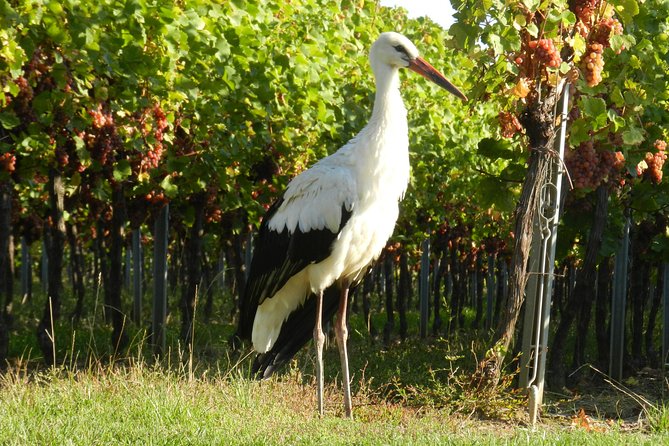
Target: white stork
{"type": "Point", "coordinates": [331, 223]}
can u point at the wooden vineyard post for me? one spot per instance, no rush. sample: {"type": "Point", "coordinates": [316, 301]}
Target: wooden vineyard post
{"type": "Point", "coordinates": [424, 287]}
{"type": "Point", "coordinates": [6, 266]}
{"type": "Point", "coordinates": [220, 270]}
{"type": "Point", "coordinates": [448, 286]}
{"type": "Point", "coordinates": [26, 270]}
{"type": "Point", "coordinates": [137, 276]}
{"type": "Point", "coordinates": [127, 268]}
{"type": "Point", "coordinates": [618, 305]}
{"type": "Point", "coordinates": [160, 281]}
{"type": "Point", "coordinates": [490, 289]}
{"type": "Point", "coordinates": [387, 287]}
{"type": "Point", "coordinates": [665, 319]}
{"type": "Point", "coordinates": [504, 287]}
{"type": "Point", "coordinates": [44, 267]}
{"type": "Point", "coordinates": [438, 274]}
{"type": "Point", "coordinates": [248, 255]}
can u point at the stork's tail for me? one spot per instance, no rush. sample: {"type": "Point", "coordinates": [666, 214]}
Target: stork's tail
{"type": "Point", "coordinates": [296, 331]}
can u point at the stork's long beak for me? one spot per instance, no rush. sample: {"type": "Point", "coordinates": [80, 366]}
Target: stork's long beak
{"type": "Point", "coordinates": [422, 67]}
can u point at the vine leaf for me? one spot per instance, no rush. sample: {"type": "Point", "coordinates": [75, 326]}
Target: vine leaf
{"type": "Point", "coordinates": [633, 136]}
{"type": "Point", "coordinates": [9, 120]}
{"type": "Point", "coordinates": [626, 9]}
{"type": "Point", "coordinates": [496, 149]}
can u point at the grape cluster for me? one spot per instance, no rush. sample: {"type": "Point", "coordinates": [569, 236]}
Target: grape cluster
{"type": "Point", "coordinates": [585, 10]}
{"type": "Point", "coordinates": [156, 197]}
{"type": "Point", "coordinates": [212, 209]}
{"type": "Point", "coordinates": [597, 25]}
{"type": "Point", "coordinates": [590, 167]}
{"type": "Point", "coordinates": [152, 157]}
{"type": "Point", "coordinates": [22, 103]}
{"type": "Point", "coordinates": [61, 156]}
{"type": "Point", "coordinates": [8, 162]}
{"type": "Point", "coordinates": [603, 31]}
{"type": "Point", "coordinates": [103, 138]}
{"type": "Point", "coordinates": [103, 150]}
{"type": "Point", "coordinates": [394, 250]}
{"type": "Point", "coordinates": [545, 52]}
{"type": "Point", "coordinates": [509, 124]}
{"type": "Point", "coordinates": [100, 118]}
{"type": "Point", "coordinates": [651, 166]}
{"type": "Point", "coordinates": [593, 64]}
{"type": "Point", "coordinates": [24, 87]}
{"type": "Point", "coordinates": [213, 214]}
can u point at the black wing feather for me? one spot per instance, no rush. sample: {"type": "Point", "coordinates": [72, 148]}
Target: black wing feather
{"type": "Point", "coordinates": [277, 257]}
{"type": "Point", "coordinates": [298, 330]}
{"type": "Point", "coordinates": [295, 333]}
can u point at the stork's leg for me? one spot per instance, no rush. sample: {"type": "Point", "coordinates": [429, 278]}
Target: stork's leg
{"type": "Point", "coordinates": [319, 341]}
{"type": "Point", "coordinates": [341, 331]}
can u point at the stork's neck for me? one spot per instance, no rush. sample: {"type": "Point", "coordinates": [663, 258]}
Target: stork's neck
{"type": "Point", "coordinates": [381, 150]}
{"type": "Point", "coordinates": [388, 105]}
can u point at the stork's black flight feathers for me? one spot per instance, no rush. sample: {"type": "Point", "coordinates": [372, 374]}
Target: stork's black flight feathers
{"type": "Point", "coordinates": [285, 254]}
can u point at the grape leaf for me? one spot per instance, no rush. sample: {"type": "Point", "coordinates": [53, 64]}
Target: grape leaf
{"type": "Point", "coordinates": [122, 170]}
{"type": "Point", "coordinates": [595, 108]}
{"type": "Point", "coordinates": [9, 120]}
{"type": "Point", "coordinates": [496, 149]}
{"type": "Point", "coordinates": [626, 9]}
{"type": "Point", "coordinates": [633, 136]}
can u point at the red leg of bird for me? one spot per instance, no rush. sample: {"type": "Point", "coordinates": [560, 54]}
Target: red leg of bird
{"type": "Point", "coordinates": [319, 341]}
{"type": "Point", "coordinates": [341, 331]}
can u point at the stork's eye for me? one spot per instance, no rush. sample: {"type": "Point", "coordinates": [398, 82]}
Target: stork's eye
{"type": "Point", "coordinates": [401, 49]}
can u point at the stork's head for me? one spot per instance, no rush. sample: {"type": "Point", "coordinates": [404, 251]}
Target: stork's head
{"type": "Point", "coordinates": [395, 50]}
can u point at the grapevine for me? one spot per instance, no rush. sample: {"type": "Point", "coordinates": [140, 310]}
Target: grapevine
{"type": "Point", "coordinates": [211, 102]}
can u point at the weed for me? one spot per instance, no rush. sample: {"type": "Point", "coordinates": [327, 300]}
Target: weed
{"type": "Point", "coordinates": [658, 418]}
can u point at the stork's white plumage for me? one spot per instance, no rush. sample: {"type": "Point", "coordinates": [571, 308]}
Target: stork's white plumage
{"type": "Point", "coordinates": [331, 223]}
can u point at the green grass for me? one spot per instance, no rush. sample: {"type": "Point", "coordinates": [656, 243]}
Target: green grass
{"type": "Point", "coordinates": [145, 405]}
{"type": "Point", "coordinates": [658, 418]}
{"type": "Point", "coordinates": [413, 392]}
